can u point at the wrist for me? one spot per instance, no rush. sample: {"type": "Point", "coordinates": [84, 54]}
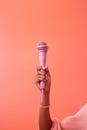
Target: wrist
{"type": "Point", "coordinates": [46, 93]}
{"type": "Point", "coordinates": [45, 100]}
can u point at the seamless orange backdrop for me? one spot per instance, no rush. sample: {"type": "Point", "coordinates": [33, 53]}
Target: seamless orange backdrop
{"type": "Point", "coordinates": [63, 25]}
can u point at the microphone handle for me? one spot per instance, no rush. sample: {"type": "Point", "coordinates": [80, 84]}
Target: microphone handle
{"type": "Point", "coordinates": [42, 58]}
{"type": "Point", "coordinates": [42, 84]}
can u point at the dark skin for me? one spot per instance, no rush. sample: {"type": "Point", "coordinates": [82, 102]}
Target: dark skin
{"type": "Point", "coordinates": [45, 122]}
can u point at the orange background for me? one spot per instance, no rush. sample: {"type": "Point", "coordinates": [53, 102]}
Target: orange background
{"type": "Point", "coordinates": [63, 25]}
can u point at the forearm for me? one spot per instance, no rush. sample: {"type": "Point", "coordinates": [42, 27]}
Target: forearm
{"type": "Point", "coordinates": [45, 122]}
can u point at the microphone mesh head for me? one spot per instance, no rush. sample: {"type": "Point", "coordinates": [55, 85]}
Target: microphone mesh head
{"type": "Point", "coordinates": [42, 46]}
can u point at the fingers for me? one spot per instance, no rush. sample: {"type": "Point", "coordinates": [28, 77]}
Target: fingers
{"type": "Point", "coordinates": [43, 70]}
{"type": "Point", "coordinates": [42, 75]}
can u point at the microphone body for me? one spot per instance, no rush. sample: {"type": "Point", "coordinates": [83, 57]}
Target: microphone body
{"type": "Point", "coordinates": [42, 50]}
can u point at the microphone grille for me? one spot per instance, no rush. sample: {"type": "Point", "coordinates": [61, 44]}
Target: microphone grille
{"type": "Point", "coordinates": [42, 46]}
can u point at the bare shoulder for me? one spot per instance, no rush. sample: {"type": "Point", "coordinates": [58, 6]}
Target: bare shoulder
{"type": "Point", "coordinates": [78, 121]}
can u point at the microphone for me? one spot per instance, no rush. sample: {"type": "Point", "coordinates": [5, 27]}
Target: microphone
{"type": "Point", "coordinates": [42, 50]}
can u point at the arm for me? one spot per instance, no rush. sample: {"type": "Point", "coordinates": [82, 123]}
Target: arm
{"type": "Point", "coordinates": [45, 122]}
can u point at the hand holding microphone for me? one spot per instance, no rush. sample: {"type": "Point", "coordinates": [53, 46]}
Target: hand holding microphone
{"type": "Point", "coordinates": [43, 79]}
{"type": "Point", "coordinates": [42, 49]}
